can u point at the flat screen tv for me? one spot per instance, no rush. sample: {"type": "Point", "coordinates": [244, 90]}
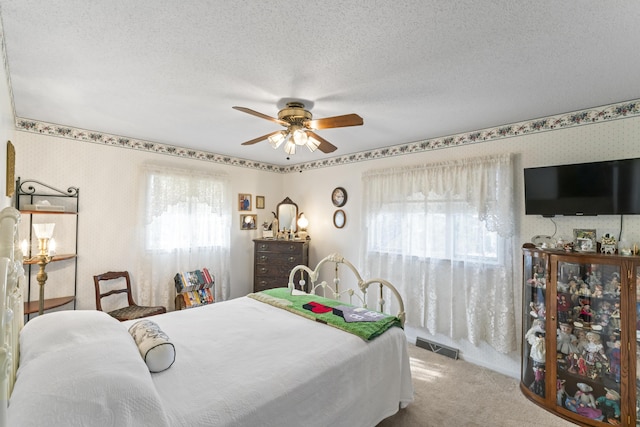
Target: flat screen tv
{"type": "Point", "coordinates": [597, 188]}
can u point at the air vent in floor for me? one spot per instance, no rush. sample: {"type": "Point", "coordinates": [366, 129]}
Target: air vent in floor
{"type": "Point", "coordinates": [437, 348]}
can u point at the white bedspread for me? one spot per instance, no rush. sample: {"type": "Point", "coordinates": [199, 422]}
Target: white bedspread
{"type": "Point", "coordinates": [256, 365]}
{"type": "Point", "coordinates": [82, 368]}
{"type": "Point", "coordinates": [238, 363]}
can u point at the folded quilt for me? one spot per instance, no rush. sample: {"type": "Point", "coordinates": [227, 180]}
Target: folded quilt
{"type": "Point", "coordinates": [282, 298]}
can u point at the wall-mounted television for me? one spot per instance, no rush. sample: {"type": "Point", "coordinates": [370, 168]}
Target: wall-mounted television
{"type": "Point", "coordinates": [597, 188]}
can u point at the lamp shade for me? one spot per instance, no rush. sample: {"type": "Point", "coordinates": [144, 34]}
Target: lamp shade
{"type": "Point", "coordinates": [44, 231]}
{"type": "Point", "coordinates": [300, 137]}
{"type": "Point", "coordinates": [290, 147]}
{"type": "Point", "coordinates": [277, 139]}
{"type": "Point", "coordinates": [303, 222]}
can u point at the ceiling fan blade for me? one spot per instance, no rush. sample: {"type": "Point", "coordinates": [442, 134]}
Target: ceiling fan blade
{"type": "Point", "coordinates": [335, 122]}
{"type": "Point", "coordinates": [260, 138]}
{"type": "Point", "coordinates": [325, 146]}
{"type": "Point", "coordinates": [262, 116]}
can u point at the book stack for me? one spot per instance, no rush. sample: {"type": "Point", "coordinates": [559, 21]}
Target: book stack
{"type": "Point", "coordinates": [194, 288]}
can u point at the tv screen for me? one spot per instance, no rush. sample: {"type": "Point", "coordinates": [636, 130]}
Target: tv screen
{"type": "Point", "coordinates": [597, 188]}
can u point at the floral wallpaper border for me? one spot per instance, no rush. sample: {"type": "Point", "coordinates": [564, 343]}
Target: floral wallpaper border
{"type": "Point", "coordinates": [578, 118]}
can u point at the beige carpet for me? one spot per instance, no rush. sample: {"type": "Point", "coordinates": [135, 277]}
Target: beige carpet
{"type": "Point", "coordinates": [456, 393]}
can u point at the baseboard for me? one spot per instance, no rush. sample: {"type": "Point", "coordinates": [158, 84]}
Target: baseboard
{"type": "Point", "coordinates": [437, 348]}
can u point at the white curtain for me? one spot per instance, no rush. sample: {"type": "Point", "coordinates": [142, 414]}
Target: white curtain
{"type": "Point", "coordinates": [442, 233]}
{"type": "Point", "coordinates": [185, 223]}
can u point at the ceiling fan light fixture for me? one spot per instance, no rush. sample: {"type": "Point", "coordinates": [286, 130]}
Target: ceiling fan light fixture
{"type": "Point", "coordinates": [312, 144]}
{"type": "Point", "coordinates": [290, 147]}
{"type": "Point", "coordinates": [277, 139]}
{"type": "Point", "coordinates": [300, 136]}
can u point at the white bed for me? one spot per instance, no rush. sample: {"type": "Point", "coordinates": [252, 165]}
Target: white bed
{"type": "Point", "coordinates": [237, 363]}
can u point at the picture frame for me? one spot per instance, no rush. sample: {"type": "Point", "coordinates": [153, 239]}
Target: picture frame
{"type": "Point", "coordinates": [248, 222]}
{"type": "Point", "coordinates": [11, 170]}
{"type": "Point", "coordinates": [259, 202]}
{"type": "Point", "coordinates": [244, 202]}
{"type": "Point", "coordinates": [339, 197]}
{"type": "Point", "coordinates": [584, 240]}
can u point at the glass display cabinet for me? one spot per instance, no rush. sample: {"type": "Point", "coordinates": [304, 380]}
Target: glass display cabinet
{"type": "Point", "coordinates": [581, 330]}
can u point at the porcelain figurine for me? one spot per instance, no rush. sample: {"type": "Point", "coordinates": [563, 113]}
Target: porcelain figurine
{"type": "Point", "coordinates": [610, 406]}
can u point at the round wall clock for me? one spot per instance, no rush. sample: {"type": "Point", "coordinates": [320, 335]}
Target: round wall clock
{"type": "Point", "coordinates": [339, 218]}
{"type": "Point", "coordinates": [339, 197]}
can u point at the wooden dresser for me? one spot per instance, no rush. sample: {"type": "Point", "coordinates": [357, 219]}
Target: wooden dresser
{"type": "Point", "coordinates": [274, 259]}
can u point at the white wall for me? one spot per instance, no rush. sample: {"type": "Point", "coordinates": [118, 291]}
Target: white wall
{"type": "Point", "coordinates": [106, 178]}
{"type": "Point", "coordinates": [604, 141]}
{"type": "Point", "coordinates": [7, 132]}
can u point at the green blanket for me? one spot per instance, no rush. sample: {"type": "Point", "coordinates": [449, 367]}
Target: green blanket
{"type": "Point", "coordinates": [282, 298]}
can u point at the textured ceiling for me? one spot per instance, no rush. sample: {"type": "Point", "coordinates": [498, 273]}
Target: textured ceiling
{"type": "Point", "coordinates": [170, 71]}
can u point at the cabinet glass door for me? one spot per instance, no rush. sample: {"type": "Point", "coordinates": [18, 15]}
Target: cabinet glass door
{"type": "Point", "coordinates": [535, 287]}
{"type": "Point", "coordinates": [588, 340]}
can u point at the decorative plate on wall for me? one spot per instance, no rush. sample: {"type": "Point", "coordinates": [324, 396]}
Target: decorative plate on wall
{"type": "Point", "coordinates": [339, 197]}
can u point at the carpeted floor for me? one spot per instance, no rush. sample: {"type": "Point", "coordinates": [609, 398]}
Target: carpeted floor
{"type": "Point", "coordinates": [456, 393]}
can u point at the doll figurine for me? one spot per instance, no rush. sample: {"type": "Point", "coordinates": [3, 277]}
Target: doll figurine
{"type": "Point", "coordinates": [537, 386]}
{"type": "Point", "coordinates": [609, 406]}
{"type": "Point", "coordinates": [615, 316]}
{"type": "Point", "coordinates": [560, 391]}
{"type": "Point", "coordinates": [583, 402]}
{"type": "Point", "coordinates": [598, 292]}
{"type": "Point", "coordinates": [538, 350]}
{"type": "Point", "coordinates": [614, 362]}
{"type": "Point", "coordinates": [566, 342]}
{"type": "Point", "coordinates": [572, 360]}
{"type": "Point", "coordinates": [594, 355]}
{"type": "Point", "coordinates": [536, 326]}
{"type": "Point", "coordinates": [538, 279]}
{"type": "Point", "coordinates": [573, 287]}
{"type": "Point", "coordinates": [563, 309]}
{"type": "Point", "coordinates": [584, 290]}
{"type": "Point", "coordinates": [586, 314]}
{"type": "Point", "coordinates": [582, 366]}
{"type": "Point", "coordinates": [611, 287]}
{"type": "Point", "coordinates": [582, 339]}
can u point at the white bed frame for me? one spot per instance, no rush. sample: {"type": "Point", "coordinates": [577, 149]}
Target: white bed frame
{"type": "Point", "coordinates": [12, 316]}
{"type": "Point", "coordinates": [334, 289]}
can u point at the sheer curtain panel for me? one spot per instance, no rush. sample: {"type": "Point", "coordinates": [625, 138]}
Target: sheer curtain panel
{"type": "Point", "coordinates": [185, 223]}
{"type": "Point", "coordinates": [443, 233]}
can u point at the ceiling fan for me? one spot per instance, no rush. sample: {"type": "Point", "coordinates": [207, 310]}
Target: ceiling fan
{"type": "Point", "coordinates": [300, 128]}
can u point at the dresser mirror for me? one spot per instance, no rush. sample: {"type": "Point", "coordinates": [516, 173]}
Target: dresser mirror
{"type": "Point", "coordinates": [287, 214]}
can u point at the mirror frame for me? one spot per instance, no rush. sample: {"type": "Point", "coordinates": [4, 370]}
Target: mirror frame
{"type": "Point", "coordinates": [287, 201]}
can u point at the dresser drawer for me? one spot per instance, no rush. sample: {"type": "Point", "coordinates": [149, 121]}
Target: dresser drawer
{"type": "Point", "coordinates": [279, 247]}
{"type": "Point", "coordinates": [290, 260]}
{"type": "Point", "coordinates": [262, 284]}
{"type": "Point", "coordinates": [276, 269]}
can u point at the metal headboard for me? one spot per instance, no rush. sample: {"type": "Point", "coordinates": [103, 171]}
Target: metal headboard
{"type": "Point", "coordinates": [334, 288]}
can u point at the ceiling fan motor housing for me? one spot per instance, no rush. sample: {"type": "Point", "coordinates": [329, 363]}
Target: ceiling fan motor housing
{"type": "Point", "coordinates": [294, 113]}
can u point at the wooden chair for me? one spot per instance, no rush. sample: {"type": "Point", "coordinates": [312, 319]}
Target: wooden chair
{"type": "Point", "coordinates": [132, 311]}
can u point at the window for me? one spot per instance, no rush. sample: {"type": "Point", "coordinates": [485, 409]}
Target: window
{"type": "Point", "coordinates": [185, 211]}
{"type": "Point", "coordinates": [436, 229]}
{"type": "Point", "coordinates": [442, 233]}
{"type": "Point", "coordinates": [185, 225]}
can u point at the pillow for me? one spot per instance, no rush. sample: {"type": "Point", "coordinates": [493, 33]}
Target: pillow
{"type": "Point", "coordinates": [154, 345]}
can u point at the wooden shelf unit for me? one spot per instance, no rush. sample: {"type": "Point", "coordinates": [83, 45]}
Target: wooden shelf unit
{"type": "Point", "coordinates": [32, 192]}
